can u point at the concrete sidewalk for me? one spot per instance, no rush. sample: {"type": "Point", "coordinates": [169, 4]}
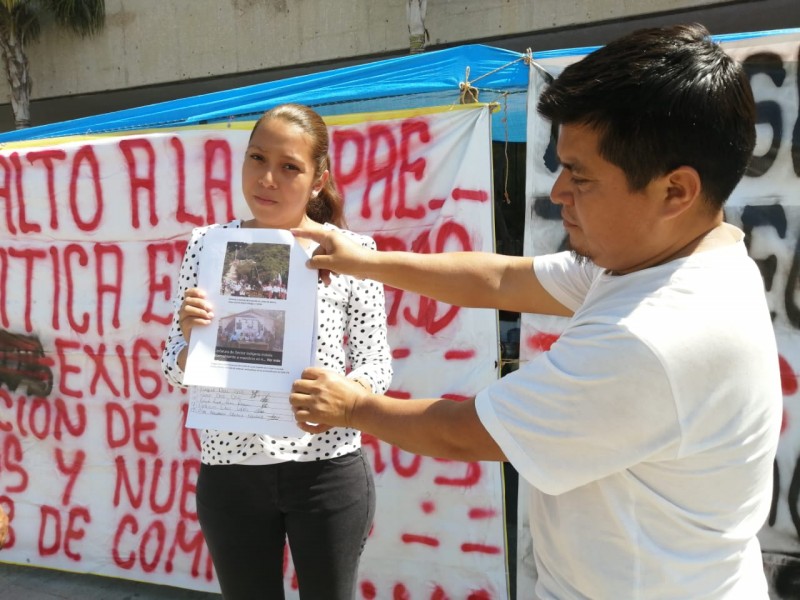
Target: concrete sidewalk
{"type": "Point", "coordinates": [34, 583]}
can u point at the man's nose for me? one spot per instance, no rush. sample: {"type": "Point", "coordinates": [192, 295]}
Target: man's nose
{"type": "Point", "coordinates": [560, 192]}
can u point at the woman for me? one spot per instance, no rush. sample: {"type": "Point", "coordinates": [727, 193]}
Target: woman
{"type": "Point", "coordinates": [255, 491]}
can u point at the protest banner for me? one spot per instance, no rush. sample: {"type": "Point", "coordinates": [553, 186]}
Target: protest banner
{"type": "Point", "coordinates": [97, 470]}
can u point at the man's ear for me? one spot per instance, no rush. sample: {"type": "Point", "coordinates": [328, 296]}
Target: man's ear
{"type": "Point", "coordinates": [682, 190]}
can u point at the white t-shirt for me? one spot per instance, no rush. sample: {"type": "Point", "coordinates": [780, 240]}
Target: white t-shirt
{"type": "Point", "coordinates": [648, 430]}
{"type": "Point", "coordinates": [351, 337]}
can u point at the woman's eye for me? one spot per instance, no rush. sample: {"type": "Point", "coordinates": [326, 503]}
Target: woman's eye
{"type": "Point", "coordinates": [257, 157]}
{"type": "Point", "coordinates": [290, 167]}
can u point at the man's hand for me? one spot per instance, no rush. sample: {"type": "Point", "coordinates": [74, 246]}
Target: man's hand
{"type": "Point", "coordinates": [322, 398]}
{"type": "Point", "coordinates": [3, 527]}
{"type": "Point", "coordinates": [335, 254]}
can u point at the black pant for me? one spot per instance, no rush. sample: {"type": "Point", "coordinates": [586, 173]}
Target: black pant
{"type": "Point", "coordinates": [325, 508]}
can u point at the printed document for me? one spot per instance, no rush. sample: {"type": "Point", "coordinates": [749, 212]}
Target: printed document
{"type": "Point", "coordinates": [241, 367]}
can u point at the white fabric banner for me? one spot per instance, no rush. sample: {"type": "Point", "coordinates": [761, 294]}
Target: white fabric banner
{"type": "Point", "coordinates": [97, 471]}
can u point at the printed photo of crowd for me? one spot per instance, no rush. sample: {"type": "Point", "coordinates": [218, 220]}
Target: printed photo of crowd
{"type": "Point", "coordinates": [253, 336]}
{"type": "Point", "coordinates": [255, 270]}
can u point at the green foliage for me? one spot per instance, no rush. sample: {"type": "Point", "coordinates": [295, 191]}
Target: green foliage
{"type": "Point", "coordinates": [257, 262]}
{"type": "Point", "coordinates": [231, 252]}
{"type": "Point", "coordinates": [21, 19]}
{"type": "Point", "coordinates": [20, 24]}
{"type": "Point", "coordinates": [84, 17]}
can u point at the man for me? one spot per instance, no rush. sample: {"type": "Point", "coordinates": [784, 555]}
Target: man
{"type": "Point", "coordinates": [647, 432]}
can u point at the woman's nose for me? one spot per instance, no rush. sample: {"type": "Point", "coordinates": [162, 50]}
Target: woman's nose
{"type": "Point", "coordinates": [266, 179]}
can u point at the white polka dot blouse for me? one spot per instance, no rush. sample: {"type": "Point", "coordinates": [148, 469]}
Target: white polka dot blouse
{"type": "Point", "coordinates": [351, 338]}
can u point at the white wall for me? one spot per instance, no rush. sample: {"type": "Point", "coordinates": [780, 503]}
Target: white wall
{"type": "Point", "coordinates": [147, 42]}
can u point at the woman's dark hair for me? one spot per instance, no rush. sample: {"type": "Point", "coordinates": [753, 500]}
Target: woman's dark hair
{"type": "Point", "coordinates": [659, 99]}
{"type": "Point", "coordinates": [328, 205]}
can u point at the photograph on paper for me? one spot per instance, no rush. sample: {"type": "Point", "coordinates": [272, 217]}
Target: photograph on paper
{"type": "Point", "coordinates": [255, 270]}
{"type": "Point", "coordinates": [251, 336]}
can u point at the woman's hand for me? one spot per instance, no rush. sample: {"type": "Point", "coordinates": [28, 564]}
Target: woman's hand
{"type": "Point", "coordinates": [195, 310]}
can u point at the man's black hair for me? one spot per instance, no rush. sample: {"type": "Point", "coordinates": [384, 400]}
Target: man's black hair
{"type": "Point", "coordinates": [661, 98]}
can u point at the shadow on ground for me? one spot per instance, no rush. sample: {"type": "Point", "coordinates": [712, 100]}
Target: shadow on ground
{"type": "Point", "coordinates": [34, 583]}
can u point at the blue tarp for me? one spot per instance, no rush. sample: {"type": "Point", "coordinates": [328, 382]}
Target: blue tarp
{"type": "Point", "coordinates": [417, 80]}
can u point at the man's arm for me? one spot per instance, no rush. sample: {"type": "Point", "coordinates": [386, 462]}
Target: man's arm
{"type": "Point", "coordinates": [432, 427]}
{"type": "Point", "coordinates": [473, 279]}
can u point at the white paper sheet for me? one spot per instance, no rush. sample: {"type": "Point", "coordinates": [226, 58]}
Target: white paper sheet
{"type": "Point", "coordinates": [240, 368]}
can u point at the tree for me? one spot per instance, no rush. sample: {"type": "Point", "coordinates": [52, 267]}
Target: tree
{"type": "Point", "coordinates": [20, 25]}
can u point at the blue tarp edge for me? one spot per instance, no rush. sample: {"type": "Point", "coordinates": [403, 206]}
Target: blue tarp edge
{"type": "Point", "coordinates": [402, 77]}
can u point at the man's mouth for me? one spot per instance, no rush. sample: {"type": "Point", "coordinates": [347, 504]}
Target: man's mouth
{"type": "Point", "coordinates": [568, 223]}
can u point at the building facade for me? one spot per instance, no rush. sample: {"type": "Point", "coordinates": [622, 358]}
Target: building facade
{"type": "Point", "coordinates": [156, 50]}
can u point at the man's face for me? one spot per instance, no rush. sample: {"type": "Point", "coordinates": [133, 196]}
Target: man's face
{"type": "Point", "coordinates": [606, 222]}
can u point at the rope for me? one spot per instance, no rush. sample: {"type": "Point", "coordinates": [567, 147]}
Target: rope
{"type": "Point", "coordinates": [469, 92]}
{"type": "Point", "coordinates": [524, 57]}
{"type": "Point", "coordinates": [469, 95]}
{"type": "Point", "coordinates": [505, 149]}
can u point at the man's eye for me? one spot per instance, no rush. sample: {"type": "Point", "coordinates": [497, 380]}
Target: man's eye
{"type": "Point", "coordinates": [257, 157]}
{"type": "Point", "coordinates": [579, 181]}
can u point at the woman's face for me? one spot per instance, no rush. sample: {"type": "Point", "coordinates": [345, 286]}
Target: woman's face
{"type": "Point", "coordinates": [278, 175]}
